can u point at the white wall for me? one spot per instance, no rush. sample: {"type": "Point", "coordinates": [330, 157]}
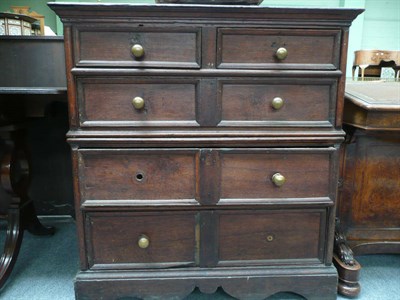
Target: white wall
{"type": "Point", "coordinates": [381, 28]}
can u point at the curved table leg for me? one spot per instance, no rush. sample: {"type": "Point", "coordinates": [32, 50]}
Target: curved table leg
{"type": "Point", "coordinates": [16, 206]}
{"type": "Point", "coordinates": [12, 243]}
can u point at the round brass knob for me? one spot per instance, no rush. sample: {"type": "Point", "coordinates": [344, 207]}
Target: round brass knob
{"type": "Point", "coordinates": [138, 102]}
{"type": "Point", "coordinates": [143, 241]}
{"type": "Point", "coordinates": [281, 53]}
{"type": "Point", "coordinates": [270, 238]}
{"type": "Point", "coordinates": [278, 179]}
{"type": "Point", "coordinates": [137, 50]}
{"type": "Point", "coordinates": [277, 103]}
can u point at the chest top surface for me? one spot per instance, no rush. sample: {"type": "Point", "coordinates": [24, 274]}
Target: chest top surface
{"type": "Point", "coordinates": [68, 11]}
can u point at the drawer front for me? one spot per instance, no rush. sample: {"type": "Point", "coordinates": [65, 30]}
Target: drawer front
{"type": "Point", "coordinates": [275, 174]}
{"type": "Point", "coordinates": [140, 240]}
{"type": "Point", "coordinates": [277, 102]}
{"type": "Point", "coordinates": [160, 47]}
{"type": "Point", "coordinates": [206, 102]}
{"type": "Point", "coordinates": [140, 177]}
{"type": "Point", "coordinates": [118, 101]}
{"type": "Point", "coordinates": [137, 177]}
{"type": "Point", "coordinates": [274, 236]}
{"type": "Point", "coordinates": [257, 48]}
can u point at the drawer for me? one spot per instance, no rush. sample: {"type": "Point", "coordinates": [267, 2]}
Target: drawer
{"type": "Point", "coordinates": [182, 102]}
{"type": "Point", "coordinates": [154, 177]}
{"type": "Point", "coordinates": [277, 102]}
{"type": "Point", "coordinates": [257, 48]}
{"type": "Point", "coordinates": [274, 236]}
{"type": "Point", "coordinates": [127, 101]}
{"type": "Point", "coordinates": [291, 175]}
{"type": "Point", "coordinates": [137, 177]}
{"type": "Point", "coordinates": [140, 240]}
{"type": "Point", "coordinates": [155, 47]}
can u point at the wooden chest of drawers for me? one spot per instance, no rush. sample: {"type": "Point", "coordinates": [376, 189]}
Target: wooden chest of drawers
{"type": "Point", "coordinates": [205, 147]}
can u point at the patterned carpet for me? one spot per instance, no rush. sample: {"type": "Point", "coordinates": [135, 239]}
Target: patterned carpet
{"type": "Point", "coordinates": [47, 265]}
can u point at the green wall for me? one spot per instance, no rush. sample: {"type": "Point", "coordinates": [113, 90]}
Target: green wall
{"type": "Point", "coordinates": [377, 28]}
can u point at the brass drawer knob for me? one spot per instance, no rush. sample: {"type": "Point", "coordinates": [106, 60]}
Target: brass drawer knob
{"type": "Point", "coordinates": [138, 102]}
{"type": "Point", "coordinates": [278, 179]}
{"type": "Point", "coordinates": [137, 50]}
{"type": "Point", "coordinates": [277, 103]}
{"type": "Point", "coordinates": [143, 241]}
{"type": "Point", "coordinates": [270, 238]}
{"type": "Point", "coordinates": [281, 53]}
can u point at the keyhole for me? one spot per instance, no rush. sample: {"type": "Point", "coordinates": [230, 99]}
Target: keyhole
{"type": "Point", "coordinates": [139, 177]}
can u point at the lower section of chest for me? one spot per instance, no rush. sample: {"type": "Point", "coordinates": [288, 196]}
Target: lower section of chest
{"type": "Point", "coordinates": [158, 222]}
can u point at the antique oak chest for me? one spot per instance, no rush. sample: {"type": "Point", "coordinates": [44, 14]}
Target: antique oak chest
{"type": "Point", "coordinates": [205, 147]}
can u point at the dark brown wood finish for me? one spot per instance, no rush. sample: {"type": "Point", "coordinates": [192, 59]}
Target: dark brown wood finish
{"type": "Point", "coordinates": [209, 176]}
{"type": "Point", "coordinates": [375, 201]}
{"type": "Point", "coordinates": [109, 101]}
{"type": "Point", "coordinates": [342, 80]}
{"type": "Point", "coordinates": [193, 170]}
{"type": "Point", "coordinates": [275, 237]}
{"type": "Point", "coordinates": [171, 240]}
{"type": "Point", "coordinates": [32, 77]}
{"type": "Point", "coordinates": [208, 108]}
{"type": "Point", "coordinates": [165, 47]}
{"type": "Point", "coordinates": [208, 228]}
{"type": "Point", "coordinates": [248, 174]}
{"type": "Point", "coordinates": [20, 69]}
{"type": "Point", "coordinates": [143, 175]}
{"type": "Point", "coordinates": [305, 104]}
{"type": "Point", "coordinates": [256, 48]}
{"type": "Point", "coordinates": [369, 204]}
{"type": "Point", "coordinates": [203, 102]}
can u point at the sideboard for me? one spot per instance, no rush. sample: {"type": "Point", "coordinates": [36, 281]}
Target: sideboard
{"type": "Point", "coordinates": [369, 201]}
